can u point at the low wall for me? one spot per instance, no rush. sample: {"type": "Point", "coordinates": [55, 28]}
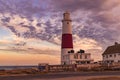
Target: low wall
{"type": "Point", "coordinates": [81, 67]}
{"type": "Point", "coordinates": [57, 68]}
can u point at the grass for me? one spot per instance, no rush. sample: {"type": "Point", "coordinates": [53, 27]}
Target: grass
{"type": "Point", "coordinates": [19, 71]}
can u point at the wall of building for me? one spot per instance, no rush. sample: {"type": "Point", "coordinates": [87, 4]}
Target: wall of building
{"type": "Point", "coordinates": [80, 58]}
{"type": "Point", "coordinates": [107, 58]}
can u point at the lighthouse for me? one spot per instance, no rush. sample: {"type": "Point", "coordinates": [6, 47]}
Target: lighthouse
{"type": "Point", "coordinates": [67, 41]}
{"type": "Point", "coordinates": [68, 55]}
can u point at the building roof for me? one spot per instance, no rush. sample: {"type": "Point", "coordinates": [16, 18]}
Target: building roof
{"type": "Point", "coordinates": [112, 49]}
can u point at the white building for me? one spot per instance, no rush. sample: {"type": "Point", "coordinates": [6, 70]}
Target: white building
{"type": "Point", "coordinates": [68, 55]}
{"type": "Point", "coordinates": [77, 58]}
{"type": "Point", "coordinates": [112, 54]}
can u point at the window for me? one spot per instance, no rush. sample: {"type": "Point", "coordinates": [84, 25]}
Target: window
{"type": "Point", "coordinates": [67, 22]}
{"type": "Point", "coordinates": [76, 56]}
{"type": "Point", "coordinates": [88, 62]}
{"type": "Point", "coordinates": [119, 61]}
{"type": "Point", "coordinates": [110, 55]}
{"type": "Point", "coordinates": [114, 55]}
{"type": "Point", "coordinates": [112, 61]}
{"type": "Point", "coordinates": [103, 55]}
{"type": "Point", "coordinates": [80, 56]}
{"type": "Point", "coordinates": [64, 63]}
{"type": "Point", "coordinates": [63, 57]}
{"type": "Point", "coordinates": [85, 56]}
{"type": "Point", "coordinates": [68, 51]}
{"type": "Point", "coordinates": [77, 62]}
{"type": "Point", "coordinates": [82, 62]}
{"type": "Point", "coordinates": [106, 56]}
{"type": "Point", "coordinates": [107, 61]}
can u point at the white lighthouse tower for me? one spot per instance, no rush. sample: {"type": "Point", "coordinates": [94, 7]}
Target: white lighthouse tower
{"type": "Point", "coordinates": [68, 56]}
{"type": "Point", "coordinates": [67, 41]}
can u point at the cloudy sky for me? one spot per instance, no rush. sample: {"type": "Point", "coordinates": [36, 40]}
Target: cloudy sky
{"type": "Point", "coordinates": [30, 31]}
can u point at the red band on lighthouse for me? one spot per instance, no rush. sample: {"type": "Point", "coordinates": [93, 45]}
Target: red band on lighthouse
{"type": "Point", "coordinates": [67, 41]}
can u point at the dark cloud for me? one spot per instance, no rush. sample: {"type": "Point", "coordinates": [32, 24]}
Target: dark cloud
{"type": "Point", "coordinates": [99, 9]}
{"type": "Point", "coordinates": [5, 19]}
{"type": "Point", "coordinates": [13, 30]}
{"type": "Point", "coordinates": [95, 33]}
{"type": "Point", "coordinates": [31, 28]}
{"type": "Point", "coordinates": [73, 5]}
{"type": "Point", "coordinates": [24, 8]}
{"type": "Point", "coordinates": [20, 44]}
